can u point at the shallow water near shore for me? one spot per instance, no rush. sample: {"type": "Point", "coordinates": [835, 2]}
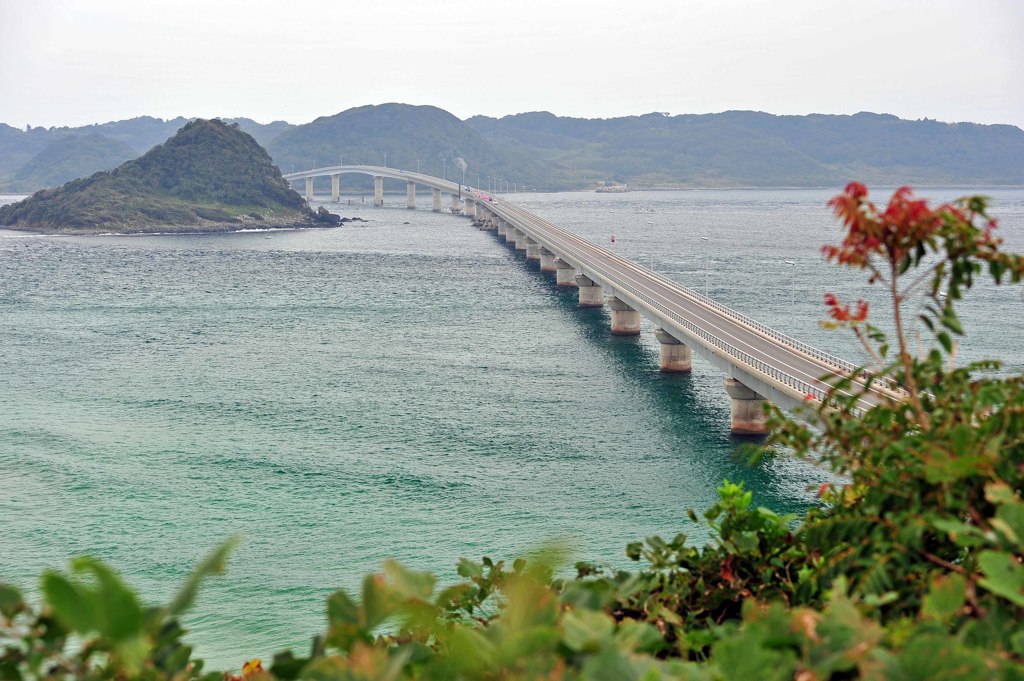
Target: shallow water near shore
{"type": "Point", "coordinates": [416, 391]}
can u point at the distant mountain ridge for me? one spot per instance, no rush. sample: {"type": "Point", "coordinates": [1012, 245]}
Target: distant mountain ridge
{"type": "Point", "coordinates": [18, 148]}
{"type": "Point", "coordinates": [403, 136]}
{"type": "Point", "coordinates": [748, 148]}
{"type": "Point", "coordinates": [548, 152]}
{"type": "Point", "coordinates": [210, 176]}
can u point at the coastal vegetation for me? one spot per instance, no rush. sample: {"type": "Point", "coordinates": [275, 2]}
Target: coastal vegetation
{"type": "Point", "coordinates": [909, 567]}
{"type": "Point", "coordinates": [209, 176]}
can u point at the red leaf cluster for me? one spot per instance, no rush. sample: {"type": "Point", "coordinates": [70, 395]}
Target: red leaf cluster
{"type": "Point", "coordinates": [891, 233]}
{"type": "Point", "coordinates": [842, 313]}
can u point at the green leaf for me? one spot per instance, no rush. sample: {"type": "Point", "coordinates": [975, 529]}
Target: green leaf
{"type": "Point", "coordinates": [409, 583]}
{"type": "Point", "coordinates": [378, 601]}
{"type": "Point", "coordinates": [72, 607]}
{"type": "Point", "coordinates": [120, 615]}
{"type": "Point", "coordinates": [1003, 576]}
{"type": "Point", "coordinates": [214, 564]}
{"type": "Point", "coordinates": [945, 597]}
{"type": "Point", "coordinates": [470, 569]}
{"type": "Point", "coordinates": [586, 630]}
{"type": "Point", "coordinates": [11, 601]}
{"type": "Point", "coordinates": [945, 341]}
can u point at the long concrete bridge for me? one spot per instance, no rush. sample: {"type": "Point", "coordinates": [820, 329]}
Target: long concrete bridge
{"type": "Point", "coordinates": [760, 363]}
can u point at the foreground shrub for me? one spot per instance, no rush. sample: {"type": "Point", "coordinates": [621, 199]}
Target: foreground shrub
{"type": "Point", "coordinates": [912, 568]}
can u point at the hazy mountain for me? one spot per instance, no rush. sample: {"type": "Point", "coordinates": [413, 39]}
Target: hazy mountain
{"type": "Point", "coordinates": [71, 157]}
{"type": "Point", "coordinates": [19, 147]}
{"type": "Point", "coordinates": [539, 149]}
{"type": "Point", "coordinates": [263, 133]}
{"type": "Point", "coordinates": [747, 148]}
{"type": "Point", "coordinates": [407, 134]}
{"type": "Point", "coordinates": [209, 176]}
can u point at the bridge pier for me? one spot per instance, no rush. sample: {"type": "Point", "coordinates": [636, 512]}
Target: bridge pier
{"type": "Point", "coordinates": [532, 249]}
{"type": "Point", "coordinates": [746, 409]}
{"type": "Point", "coordinates": [309, 188]}
{"type": "Point", "coordinates": [591, 294]}
{"type": "Point", "coordinates": [378, 191]}
{"type": "Point", "coordinates": [625, 320]}
{"type": "Point", "coordinates": [456, 207]}
{"type": "Point", "coordinates": [565, 274]}
{"type": "Point", "coordinates": [501, 226]}
{"type": "Point", "coordinates": [336, 188]}
{"type": "Point", "coordinates": [547, 260]}
{"type": "Point", "coordinates": [511, 234]}
{"type": "Point", "coordinates": [410, 194]}
{"type": "Point", "coordinates": [521, 240]}
{"type": "Point", "coordinates": [675, 357]}
{"type": "Point", "coordinates": [437, 199]}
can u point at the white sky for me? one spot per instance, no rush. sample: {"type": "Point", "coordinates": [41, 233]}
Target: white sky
{"type": "Point", "coordinates": [72, 62]}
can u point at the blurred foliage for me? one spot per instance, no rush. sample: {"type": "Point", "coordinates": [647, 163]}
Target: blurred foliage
{"type": "Point", "coordinates": [911, 567]}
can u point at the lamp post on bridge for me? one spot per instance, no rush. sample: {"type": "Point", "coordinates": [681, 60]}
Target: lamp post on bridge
{"type": "Point", "coordinates": [444, 168]}
{"type": "Point", "coordinates": [652, 243]}
{"type": "Point", "coordinates": [707, 242]}
{"type": "Point", "coordinates": [417, 166]}
{"type": "Point", "coordinates": [385, 159]}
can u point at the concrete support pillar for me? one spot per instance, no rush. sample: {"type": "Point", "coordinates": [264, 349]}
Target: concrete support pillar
{"type": "Point", "coordinates": [336, 188]}
{"type": "Point", "coordinates": [469, 208]}
{"type": "Point", "coordinates": [625, 320]}
{"type": "Point", "coordinates": [747, 409]}
{"type": "Point", "coordinates": [547, 260]}
{"type": "Point", "coordinates": [521, 240]}
{"type": "Point", "coordinates": [565, 274]}
{"type": "Point", "coordinates": [675, 357]}
{"type": "Point", "coordinates": [309, 188]}
{"type": "Point", "coordinates": [437, 200]}
{"type": "Point", "coordinates": [501, 226]}
{"type": "Point", "coordinates": [511, 234]}
{"type": "Point", "coordinates": [410, 194]}
{"type": "Point", "coordinates": [591, 294]}
{"type": "Point", "coordinates": [532, 249]}
{"type": "Point", "coordinates": [378, 191]}
{"type": "Point", "coordinates": [456, 206]}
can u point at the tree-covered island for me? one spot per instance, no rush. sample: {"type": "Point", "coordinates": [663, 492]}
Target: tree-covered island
{"type": "Point", "coordinates": [208, 177]}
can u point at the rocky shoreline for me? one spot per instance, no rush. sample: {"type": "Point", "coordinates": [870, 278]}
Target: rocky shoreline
{"type": "Point", "coordinates": [202, 227]}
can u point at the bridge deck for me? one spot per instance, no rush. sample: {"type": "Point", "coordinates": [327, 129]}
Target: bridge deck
{"type": "Point", "coordinates": [779, 368]}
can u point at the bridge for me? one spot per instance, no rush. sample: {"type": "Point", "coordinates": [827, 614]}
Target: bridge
{"type": "Point", "coordinates": [759, 362]}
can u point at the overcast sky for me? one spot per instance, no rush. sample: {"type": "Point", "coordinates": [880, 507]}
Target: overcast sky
{"type": "Point", "coordinates": [72, 62]}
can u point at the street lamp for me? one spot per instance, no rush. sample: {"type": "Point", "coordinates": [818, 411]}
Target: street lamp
{"type": "Point", "coordinates": [706, 263]}
{"type": "Point", "coordinates": [652, 244]}
{"type": "Point", "coordinates": [478, 181]}
{"type": "Point", "coordinates": [444, 168]}
{"type": "Point", "coordinates": [417, 166]}
{"type": "Point", "coordinates": [385, 159]}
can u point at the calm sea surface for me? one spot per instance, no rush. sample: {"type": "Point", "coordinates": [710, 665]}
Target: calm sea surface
{"type": "Point", "coordinates": [405, 387]}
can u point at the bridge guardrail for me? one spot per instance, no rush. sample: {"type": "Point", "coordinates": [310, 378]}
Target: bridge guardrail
{"type": "Point", "coordinates": [810, 350]}
{"type": "Point", "coordinates": [760, 365]}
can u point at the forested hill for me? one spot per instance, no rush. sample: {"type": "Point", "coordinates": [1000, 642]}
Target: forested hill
{"type": "Point", "coordinates": [747, 148]}
{"type": "Point", "coordinates": [408, 136]}
{"type": "Point", "coordinates": [70, 157]}
{"type": "Point", "coordinates": [209, 176]}
{"type": "Point", "coordinates": [21, 151]}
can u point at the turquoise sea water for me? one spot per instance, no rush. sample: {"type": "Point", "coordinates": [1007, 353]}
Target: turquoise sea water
{"type": "Point", "coordinates": [405, 387]}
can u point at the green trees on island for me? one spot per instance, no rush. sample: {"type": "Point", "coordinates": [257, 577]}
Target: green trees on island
{"type": "Point", "coordinates": [910, 568]}
{"type": "Point", "coordinates": [209, 172]}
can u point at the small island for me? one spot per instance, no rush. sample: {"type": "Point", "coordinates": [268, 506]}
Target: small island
{"type": "Point", "coordinates": [209, 177]}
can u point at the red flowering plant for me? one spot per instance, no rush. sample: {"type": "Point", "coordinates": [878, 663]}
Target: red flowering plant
{"type": "Point", "coordinates": [930, 456]}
